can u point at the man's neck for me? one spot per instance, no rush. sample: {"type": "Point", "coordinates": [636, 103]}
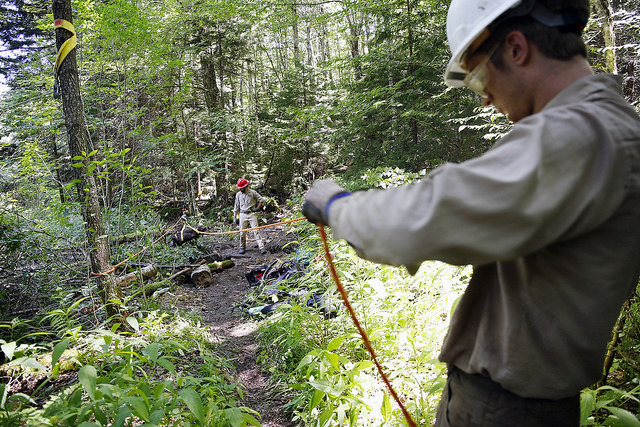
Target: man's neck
{"type": "Point", "coordinates": [554, 75]}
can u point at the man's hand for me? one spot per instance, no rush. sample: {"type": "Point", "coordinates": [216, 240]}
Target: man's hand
{"type": "Point", "coordinates": [254, 209]}
{"type": "Point", "coordinates": [319, 198]}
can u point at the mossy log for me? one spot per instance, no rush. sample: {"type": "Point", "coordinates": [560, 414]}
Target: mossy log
{"type": "Point", "coordinates": [220, 265]}
{"type": "Point", "coordinates": [150, 288]}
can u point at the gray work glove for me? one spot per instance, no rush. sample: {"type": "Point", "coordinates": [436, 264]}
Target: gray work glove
{"type": "Point", "coordinates": [254, 209]}
{"type": "Point", "coordinates": [319, 198]}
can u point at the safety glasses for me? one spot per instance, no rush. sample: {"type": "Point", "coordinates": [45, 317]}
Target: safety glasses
{"type": "Point", "coordinates": [477, 79]}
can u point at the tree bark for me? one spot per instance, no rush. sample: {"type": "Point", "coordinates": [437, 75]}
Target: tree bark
{"type": "Point", "coordinates": [201, 276]}
{"type": "Point", "coordinates": [97, 240]}
{"type": "Point", "coordinates": [605, 11]}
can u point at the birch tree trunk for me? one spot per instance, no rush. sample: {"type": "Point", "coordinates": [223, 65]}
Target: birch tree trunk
{"type": "Point", "coordinates": [97, 240]}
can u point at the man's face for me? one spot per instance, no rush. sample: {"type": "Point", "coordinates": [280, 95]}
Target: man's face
{"type": "Point", "coordinates": [502, 87]}
{"type": "Point", "coordinates": [244, 189]}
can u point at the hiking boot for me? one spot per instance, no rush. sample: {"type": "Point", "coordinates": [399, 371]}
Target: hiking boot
{"type": "Point", "coordinates": [241, 251]}
{"type": "Point", "coordinates": [263, 251]}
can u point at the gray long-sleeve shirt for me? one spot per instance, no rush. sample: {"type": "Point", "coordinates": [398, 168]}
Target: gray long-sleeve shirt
{"type": "Point", "coordinates": [549, 217]}
{"type": "Point", "coordinates": [247, 200]}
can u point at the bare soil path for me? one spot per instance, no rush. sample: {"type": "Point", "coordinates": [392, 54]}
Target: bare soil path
{"type": "Point", "coordinates": [218, 305]}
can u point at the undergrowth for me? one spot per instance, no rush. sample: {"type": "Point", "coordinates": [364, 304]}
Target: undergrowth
{"type": "Point", "coordinates": [155, 370]}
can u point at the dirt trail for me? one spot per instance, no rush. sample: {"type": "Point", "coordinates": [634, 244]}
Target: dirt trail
{"type": "Point", "coordinates": [218, 306]}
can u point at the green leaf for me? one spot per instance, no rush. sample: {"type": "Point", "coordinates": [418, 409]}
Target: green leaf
{"type": "Point", "coordinates": [250, 419]}
{"type": "Point", "coordinates": [333, 359]}
{"type": "Point", "coordinates": [193, 401]}
{"type": "Point", "coordinates": [234, 416]}
{"type": "Point", "coordinates": [140, 408]}
{"type": "Point", "coordinates": [322, 385]}
{"type": "Point", "coordinates": [335, 343]}
{"type": "Point", "coordinates": [166, 364]}
{"type": "Point", "coordinates": [123, 413]}
{"type": "Point", "coordinates": [385, 410]}
{"type": "Point", "coordinates": [156, 416]}
{"type": "Point", "coordinates": [316, 399]}
{"type": "Point", "coordinates": [58, 350]}
{"type": "Point", "coordinates": [87, 375]}
{"type": "Point", "coordinates": [8, 349]}
{"type": "Point", "coordinates": [587, 405]}
{"type": "Point", "coordinates": [306, 360]}
{"type": "Point", "coordinates": [133, 322]}
{"type": "Point", "coordinates": [3, 396]}
{"type": "Point", "coordinates": [30, 362]}
{"type": "Point", "coordinates": [100, 415]}
{"type": "Point", "coordinates": [626, 418]}
{"type": "Point", "coordinates": [325, 417]}
{"type": "Point", "coordinates": [77, 165]}
{"type": "Point", "coordinates": [152, 351]}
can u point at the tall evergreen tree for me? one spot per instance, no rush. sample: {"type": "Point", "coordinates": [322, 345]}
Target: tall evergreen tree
{"type": "Point", "coordinates": [19, 32]}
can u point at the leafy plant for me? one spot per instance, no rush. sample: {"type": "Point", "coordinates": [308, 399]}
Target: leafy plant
{"type": "Point", "coordinates": [610, 406]}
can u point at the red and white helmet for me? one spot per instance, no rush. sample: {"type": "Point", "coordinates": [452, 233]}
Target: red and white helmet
{"type": "Point", "coordinates": [242, 183]}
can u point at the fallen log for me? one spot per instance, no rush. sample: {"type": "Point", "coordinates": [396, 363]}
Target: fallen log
{"type": "Point", "coordinates": [150, 288]}
{"type": "Point", "coordinates": [201, 276]}
{"type": "Point", "coordinates": [146, 273]}
{"type": "Point", "coordinates": [220, 265]}
{"type": "Point", "coordinates": [213, 267]}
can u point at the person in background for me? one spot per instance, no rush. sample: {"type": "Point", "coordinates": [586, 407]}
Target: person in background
{"type": "Point", "coordinates": [247, 203]}
{"type": "Point", "coordinates": [548, 217]}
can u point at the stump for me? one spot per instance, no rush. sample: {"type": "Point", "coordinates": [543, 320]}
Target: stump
{"type": "Point", "coordinates": [201, 275]}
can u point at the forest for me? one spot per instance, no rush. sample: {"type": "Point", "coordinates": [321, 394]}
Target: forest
{"type": "Point", "coordinates": [126, 124]}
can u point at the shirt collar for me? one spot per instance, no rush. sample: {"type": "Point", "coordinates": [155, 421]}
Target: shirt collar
{"type": "Point", "coordinates": [585, 88]}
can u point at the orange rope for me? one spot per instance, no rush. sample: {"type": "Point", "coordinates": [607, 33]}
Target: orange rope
{"type": "Point", "coordinates": [363, 334]}
{"type": "Point", "coordinates": [250, 229]}
{"type": "Point", "coordinates": [200, 232]}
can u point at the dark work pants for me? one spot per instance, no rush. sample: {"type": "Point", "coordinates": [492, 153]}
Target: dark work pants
{"type": "Point", "coordinates": [475, 400]}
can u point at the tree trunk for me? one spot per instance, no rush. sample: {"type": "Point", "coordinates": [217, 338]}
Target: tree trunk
{"type": "Point", "coordinates": [97, 240]}
{"type": "Point", "coordinates": [209, 83]}
{"type": "Point", "coordinates": [57, 168]}
{"type": "Point", "coordinates": [605, 11]}
{"type": "Point", "coordinates": [355, 31]}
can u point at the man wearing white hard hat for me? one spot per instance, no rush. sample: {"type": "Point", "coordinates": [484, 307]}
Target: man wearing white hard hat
{"type": "Point", "coordinates": [548, 217]}
{"type": "Point", "coordinates": [247, 203]}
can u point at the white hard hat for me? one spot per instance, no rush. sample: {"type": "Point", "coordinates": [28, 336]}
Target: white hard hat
{"type": "Point", "coordinates": [468, 23]}
{"type": "Point", "coordinates": [466, 20]}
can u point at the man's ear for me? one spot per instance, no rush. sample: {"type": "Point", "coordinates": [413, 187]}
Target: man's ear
{"type": "Point", "coordinates": [517, 47]}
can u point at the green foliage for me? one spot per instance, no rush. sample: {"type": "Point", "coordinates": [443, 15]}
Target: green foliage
{"type": "Point", "coordinates": [610, 406]}
{"type": "Point", "coordinates": [130, 374]}
{"type": "Point", "coordinates": [325, 360]}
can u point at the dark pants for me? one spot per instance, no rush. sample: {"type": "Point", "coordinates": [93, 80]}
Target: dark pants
{"type": "Point", "coordinates": [475, 400]}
